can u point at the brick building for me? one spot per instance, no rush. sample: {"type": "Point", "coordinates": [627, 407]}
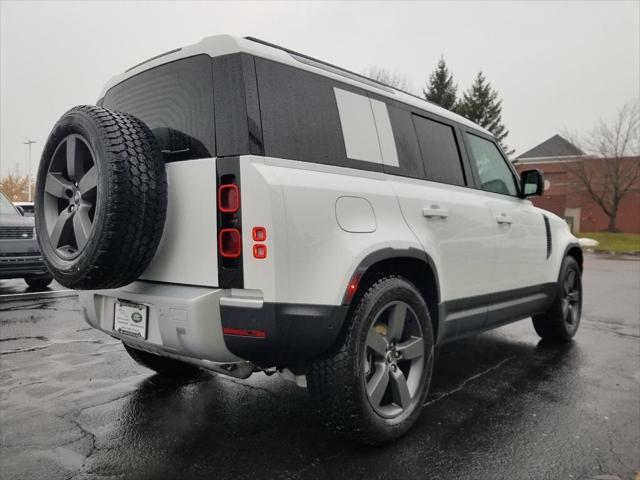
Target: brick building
{"type": "Point", "coordinates": [566, 196]}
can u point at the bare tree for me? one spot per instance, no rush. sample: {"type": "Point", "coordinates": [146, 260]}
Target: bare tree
{"type": "Point", "coordinates": [391, 78]}
{"type": "Point", "coordinates": [614, 167]}
{"type": "Point", "coordinates": [16, 187]}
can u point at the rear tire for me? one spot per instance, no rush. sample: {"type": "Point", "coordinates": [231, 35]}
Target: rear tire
{"type": "Point", "coordinates": [372, 385]}
{"type": "Point", "coordinates": [162, 365]}
{"type": "Point", "coordinates": [560, 323]}
{"type": "Point", "coordinates": [38, 282]}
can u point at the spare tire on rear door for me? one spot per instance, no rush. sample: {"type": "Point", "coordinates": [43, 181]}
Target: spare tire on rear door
{"type": "Point", "coordinates": [101, 198]}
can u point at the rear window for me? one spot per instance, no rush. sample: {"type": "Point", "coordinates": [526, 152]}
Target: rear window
{"type": "Point", "coordinates": [175, 100]}
{"type": "Point", "coordinates": [440, 153]}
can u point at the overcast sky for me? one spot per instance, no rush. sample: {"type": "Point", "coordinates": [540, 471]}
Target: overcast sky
{"type": "Point", "coordinates": [556, 65]}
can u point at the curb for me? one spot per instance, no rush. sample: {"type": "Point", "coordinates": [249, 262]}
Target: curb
{"type": "Point", "coordinates": [612, 255]}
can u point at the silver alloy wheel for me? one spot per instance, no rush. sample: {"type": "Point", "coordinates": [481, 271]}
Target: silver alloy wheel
{"type": "Point", "coordinates": [571, 302]}
{"type": "Point", "coordinates": [70, 196]}
{"type": "Point", "coordinates": [393, 360]}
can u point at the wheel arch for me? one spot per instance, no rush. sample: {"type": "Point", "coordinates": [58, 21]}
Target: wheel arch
{"type": "Point", "coordinates": [574, 250]}
{"type": "Point", "coordinates": [413, 264]}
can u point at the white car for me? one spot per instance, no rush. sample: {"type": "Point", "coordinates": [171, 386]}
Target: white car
{"type": "Point", "coordinates": [237, 206]}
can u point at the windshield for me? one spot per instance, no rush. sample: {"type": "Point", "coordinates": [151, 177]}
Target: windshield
{"type": "Point", "coordinates": [6, 207]}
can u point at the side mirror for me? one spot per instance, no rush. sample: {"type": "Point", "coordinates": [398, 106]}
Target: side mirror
{"type": "Point", "coordinates": [20, 210]}
{"type": "Point", "coordinates": [531, 183]}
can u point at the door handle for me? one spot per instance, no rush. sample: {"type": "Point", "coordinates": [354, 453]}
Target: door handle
{"type": "Point", "coordinates": [434, 211]}
{"type": "Point", "coordinates": [503, 218]}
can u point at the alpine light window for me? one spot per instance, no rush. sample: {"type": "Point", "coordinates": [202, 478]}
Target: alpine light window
{"type": "Point", "coordinates": [358, 126]}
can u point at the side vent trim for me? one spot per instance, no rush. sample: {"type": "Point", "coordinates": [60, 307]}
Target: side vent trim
{"type": "Point", "coordinates": [547, 228]}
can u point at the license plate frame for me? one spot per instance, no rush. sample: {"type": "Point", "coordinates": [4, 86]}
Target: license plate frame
{"type": "Point", "coordinates": [131, 319]}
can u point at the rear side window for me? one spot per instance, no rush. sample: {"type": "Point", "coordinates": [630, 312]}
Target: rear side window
{"type": "Point", "coordinates": [358, 126]}
{"type": "Point", "coordinates": [440, 153]}
{"type": "Point", "coordinates": [300, 118]}
{"type": "Point", "coordinates": [410, 162]}
{"type": "Point", "coordinates": [366, 128]}
{"type": "Point", "coordinates": [175, 100]}
{"type": "Point", "coordinates": [299, 115]}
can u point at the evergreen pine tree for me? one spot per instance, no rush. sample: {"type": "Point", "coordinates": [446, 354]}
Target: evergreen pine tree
{"type": "Point", "coordinates": [481, 105]}
{"type": "Point", "coordinates": [441, 89]}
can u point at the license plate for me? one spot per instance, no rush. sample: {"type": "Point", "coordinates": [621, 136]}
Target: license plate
{"type": "Point", "coordinates": [131, 319]}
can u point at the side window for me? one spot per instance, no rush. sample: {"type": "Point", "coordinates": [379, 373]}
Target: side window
{"type": "Point", "coordinates": [440, 153]}
{"type": "Point", "coordinates": [404, 134]}
{"type": "Point", "coordinates": [312, 118]}
{"type": "Point", "coordinates": [366, 128]}
{"type": "Point", "coordinates": [495, 175]}
{"type": "Point", "coordinates": [299, 115]}
{"type": "Point", "coordinates": [358, 126]}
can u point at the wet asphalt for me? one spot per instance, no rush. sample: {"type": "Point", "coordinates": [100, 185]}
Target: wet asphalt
{"type": "Point", "coordinates": [18, 289]}
{"type": "Point", "coordinates": [503, 405]}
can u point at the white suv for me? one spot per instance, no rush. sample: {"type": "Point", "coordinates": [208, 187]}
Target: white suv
{"type": "Point", "coordinates": [236, 206]}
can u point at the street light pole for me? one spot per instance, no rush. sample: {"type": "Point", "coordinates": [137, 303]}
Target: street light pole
{"type": "Point", "coordinates": [28, 143]}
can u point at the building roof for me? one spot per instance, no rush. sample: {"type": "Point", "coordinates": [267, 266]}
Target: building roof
{"type": "Point", "coordinates": [553, 147]}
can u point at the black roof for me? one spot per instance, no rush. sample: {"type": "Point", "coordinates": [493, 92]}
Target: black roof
{"type": "Point", "coordinates": [555, 146]}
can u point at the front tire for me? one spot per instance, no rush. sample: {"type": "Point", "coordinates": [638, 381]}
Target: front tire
{"type": "Point", "coordinates": [162, 365]}
{"type": "Point", "coordinates": [371, 387]}
{"type": "Point", "coordinates": [560, 323]}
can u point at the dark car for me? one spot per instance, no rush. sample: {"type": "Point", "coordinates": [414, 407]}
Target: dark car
{"type": "Point", "coordinates": [19, 252]}
{"type": "Point", "coordinates": [26, 208]}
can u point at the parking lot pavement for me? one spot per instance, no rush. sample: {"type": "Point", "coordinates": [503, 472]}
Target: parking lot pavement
{"type": "Point", "coordinates": [502, 406]}
{"type": "Point", "coordinates": [17, 288]}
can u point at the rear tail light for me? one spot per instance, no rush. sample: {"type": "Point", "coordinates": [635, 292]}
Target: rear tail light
{"type": "Point", "coordinates": [260, 251]}
{"type": "Point", "coordinates": [259, 234]}
{"type": "Point", "coordinates": [229, 222]}
{"type": "Point", "coordinates": [228, 198]}
{"type": "Point", "coordinates": [230, 242]}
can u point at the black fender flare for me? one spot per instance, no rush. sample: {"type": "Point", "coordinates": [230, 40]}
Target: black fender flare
{"type": "Point", "coordinates": [390, 253]}
{"type": "Point", "coordinates": [570, 246]}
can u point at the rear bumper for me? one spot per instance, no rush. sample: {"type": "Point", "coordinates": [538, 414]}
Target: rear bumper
{"type": "Point", "coordinates": [183, 320]}
{"type": "Point", "coordinates": [293, 333]}
{"type": "Point", "coordinates": [20, 266]}
{"type": "Point", "coordinates": [188, 322]}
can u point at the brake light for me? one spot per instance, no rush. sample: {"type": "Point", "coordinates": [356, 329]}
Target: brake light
{"type": "Point", "coordinates": [228, 198]}
{"type": "Point", "coordinates": [230, 243]}
{"type": "Point", "coordinates": [229, 222]}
